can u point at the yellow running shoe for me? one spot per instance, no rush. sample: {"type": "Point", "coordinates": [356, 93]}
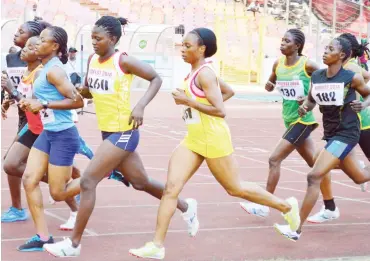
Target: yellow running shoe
{"type": "Point", "coordinates": [292, 217]}
{"type": "Point", "coordinates": [150, 250]}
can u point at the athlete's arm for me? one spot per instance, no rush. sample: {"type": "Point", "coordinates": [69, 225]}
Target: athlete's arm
{"type": "Point", "coordinates": [308, 104]}
{"type": "Point", "coordinates": [311, 67]}
{"type": "Point", "coordinates": [208, 82]}
{"type": "Point", "coordinates": [9, 88]}
{"type": "Point", "coordinates": [143, 70]}
{"type": "Point", "coordinates": [270, 85]}
{"type": "Point", "coordinates": [226, 90]}
{"type": "Point", "coordinates": [83, 89]}
{"type": "Point", "coordinates": [359, 85]}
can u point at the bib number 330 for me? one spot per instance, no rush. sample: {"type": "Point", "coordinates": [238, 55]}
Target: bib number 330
{"type": "Point", "coordinates": [290, 90]}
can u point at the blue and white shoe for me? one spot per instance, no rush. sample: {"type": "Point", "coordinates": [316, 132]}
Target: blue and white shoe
{"type": "Point", "coordinates": [116, 175]}
{"type": "Point", "coordinates": [85, 149]}
{"type": "Point", "coordinates": [35, 244]}
{"type": "Point", "coordinates": [14, 215]}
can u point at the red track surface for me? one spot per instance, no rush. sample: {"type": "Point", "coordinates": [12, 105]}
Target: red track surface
{"type": "Point", "coordinates": [125, 218]}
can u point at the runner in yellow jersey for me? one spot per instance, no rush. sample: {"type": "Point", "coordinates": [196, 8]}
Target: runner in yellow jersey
{"type": "Point", "coordinates": [208, 139]}
{"type": "Point", "coordinates": [329, 214]}
{"type": "Point", "coordinates": [108, 81]}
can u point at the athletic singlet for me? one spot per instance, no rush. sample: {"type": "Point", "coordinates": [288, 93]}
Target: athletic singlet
{"type": "Point", "coordinates": [25, 87]}
{"type": "Point", "coordinates": [53, 120]}
{"type": "Point", "coordinates": [15, 70]}
{"type": "Point", "coordinates": [293, 82]}
{"type": "Point", "coordinates": [111, 89]}
{"type": "Point", "coordinates": [365, 113]}
{"type": "Point", "coordinates": [334, 96]}
{"type": "Point", "coordinates": [207, 135]}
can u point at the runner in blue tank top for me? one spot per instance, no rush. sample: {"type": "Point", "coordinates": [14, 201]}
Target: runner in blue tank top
{"type": "Point", "coordinates": [55, 148]}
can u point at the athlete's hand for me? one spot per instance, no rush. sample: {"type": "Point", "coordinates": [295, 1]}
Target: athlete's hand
{"type": "Point", "coordinates": [4, 80]}
{"type": "Point", "coordinates": [5, 106]}
{"type": "Point", "coordinates": [357, 106]}
{"type": "Point", "coordinates": [269, 86]}
{"type": "Point", "coordinates": [31, 105]}
{"type": "Point", "coordinates": [302, 110]}
{"type": "Point", "coordinates": [136, 117]}
{"type": "Point", "coordinates": [180, 96]}
{"type": "Point", "coordinates": [300, 99]}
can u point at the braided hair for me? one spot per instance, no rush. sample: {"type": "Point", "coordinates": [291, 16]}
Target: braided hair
{"type": "Point", "coordinates": [37, 26]}
{"type": "Point", "coordinates": [299, 38]}
{"type": "Point", "coordinates": [346, 46]}
{"type": "Point", "coordinates": [207, 38]}
{"type": "Point", "coordinates": [60, 36]}
{"type": "Point", "coordinates": [358, 50]}
{"type": "Point", "coordinates": [112, 25]}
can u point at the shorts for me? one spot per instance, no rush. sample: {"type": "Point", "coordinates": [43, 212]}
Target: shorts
{"type": "Point", "coordinates": [28, 138]}
{"type": "Point", "coordinates": [339, 149]}
{"type": "Point", "coordinates": [365, 142]}
{"type": "Point", "coordinates": [61, 146]}
{"type": "Point", "coordinates": [127, 140]}
{"type": "Point", "coordinates": [297, 133]}
{"type": "Point", "coordinates": [22, 121]}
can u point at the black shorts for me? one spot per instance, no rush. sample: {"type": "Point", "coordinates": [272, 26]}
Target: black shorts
{"type": "Point", "coordinates": [28, 139]}
{"type": "Point", "coordinates": [297, 133]}
{"type": "Point", "coordinates": [365, 142]}
{"type": "Point", "coordinates": [22, 120]}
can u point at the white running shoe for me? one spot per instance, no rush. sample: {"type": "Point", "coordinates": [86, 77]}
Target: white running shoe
{"type": "Point", "coordinates": [150, 250]}
{"type": "Point", "coordinates": [285, 231]}
{"type": "Point", "coordinates": [63, 248]}
{"type": "Point", "coordinates": [292, 217]}
{"type": "Point", "coordinates": [51, 200]}
{"type": "Point", "coordinates": [70, 224]}
{"type": "Point", "coordinates": [255, 209]}
{"type": "Point", "coordinates": [363, 185]}
{"type": "Point", "coordinates": [191, 217]}
{"type": "Point", "coordinates": [324, 215]}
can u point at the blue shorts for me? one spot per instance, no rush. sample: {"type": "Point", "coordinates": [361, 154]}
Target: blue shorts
{"type": "Point", "coordinates": [339, 149]}
{"type": "Point", "coordinates": [127, 140]}
{"type": "Point", "coordinates": [61, 146]}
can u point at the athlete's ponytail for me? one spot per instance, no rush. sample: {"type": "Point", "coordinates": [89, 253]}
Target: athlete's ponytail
{"type": "Point", "coordinates": [112, 25]}
{"type": "Point", "coordinates": [61, 38]}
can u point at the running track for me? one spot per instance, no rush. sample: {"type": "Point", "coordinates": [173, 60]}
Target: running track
{"type": "Point", "coordinates": [124, 218]}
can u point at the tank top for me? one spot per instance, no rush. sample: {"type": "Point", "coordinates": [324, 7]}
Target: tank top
{"type": "Point", "coordinates": [53, 120]}
{"type": "Point", "coordinates": [111, 89]}
{"type": "Point", "coordinates": [293, 82]}
{"type": "Point", "coordinates": [207, 135]}
{"type": "Point", "coordinates": [15, 70]}
{"type": "Point", "coordinates": [334, 96]}
{"type": "Point", "coordinates": [365, 113]}
{"type": "Point", "coordinates": [26, 88]}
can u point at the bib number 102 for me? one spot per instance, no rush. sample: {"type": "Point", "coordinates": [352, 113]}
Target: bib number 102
{"type": "Point", "coordinates": [326, 96]}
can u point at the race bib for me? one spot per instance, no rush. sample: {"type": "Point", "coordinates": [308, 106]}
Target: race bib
{"type": "Point", "coordinates": [47, 116]}
{"type": "Point", "coordinates": [190, 115]}
{"type": "Point", "coordinates": [290, 90]}
{"type": "Point", "coordinates": [25, 90]}
{"type": "Point", "coordinates": [15, 75]}
{"type": "Point", "coordinates": [101, 81]}
{"type": "Point", "coordinates": [328, 93]}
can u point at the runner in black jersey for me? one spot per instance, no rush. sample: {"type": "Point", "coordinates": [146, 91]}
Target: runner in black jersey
{"type": "Point", "coordinates": [334, 89]}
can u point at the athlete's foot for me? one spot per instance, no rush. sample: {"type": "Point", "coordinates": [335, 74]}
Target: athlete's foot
{"type": "Point", "coordinates": [14, 215]}
{"type": "Point", "coordinates": [363, 186]}
{"type": "Point", "coordinates": [63, 248]}
{"type": "Point", "coordinates": [255, 209]}
{"type": "Point", "coordinates": [85, 149]}
{"type": "Point", "coordinates": [292, 217]}
{"type": "Point", "coordinates": [70, 224]}
{"type": "Point", "coordinates": [191, 217]}
{"type": "Point", "coordinates": [324, 215]}
{"type": "Point", "coordinates": [150, 250]}
{"type": "Point", "coordinates": [35, 244]}
{"type": "Point", "coordinates": [285, 231]}
{"type": "Point", "coordinates": [116, 175]}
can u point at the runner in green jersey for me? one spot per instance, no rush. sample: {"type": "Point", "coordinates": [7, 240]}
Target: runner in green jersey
{"type": "Point", "coordinates": [291, 77]}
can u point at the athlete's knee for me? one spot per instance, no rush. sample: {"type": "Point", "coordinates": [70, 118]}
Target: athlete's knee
{"type": "Point", "coordinates": [172, 189]}
{"type": "Point", "coordinates": [57, 194]}
{"type": "Point", "coordinates": [29, 183]}
{"type": "Point", "coordinates": [274, 161]}
{"type": "Point", "coordinates": [141, 183]}
{"type": "Point", "coordinates": [87, 183]}
{"type": "Point", "coordinates": [11, 167]}
{"type": "Point", "coordinates": [314, 178]}
{"type": "Point", "coordinates": [235, 191]}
